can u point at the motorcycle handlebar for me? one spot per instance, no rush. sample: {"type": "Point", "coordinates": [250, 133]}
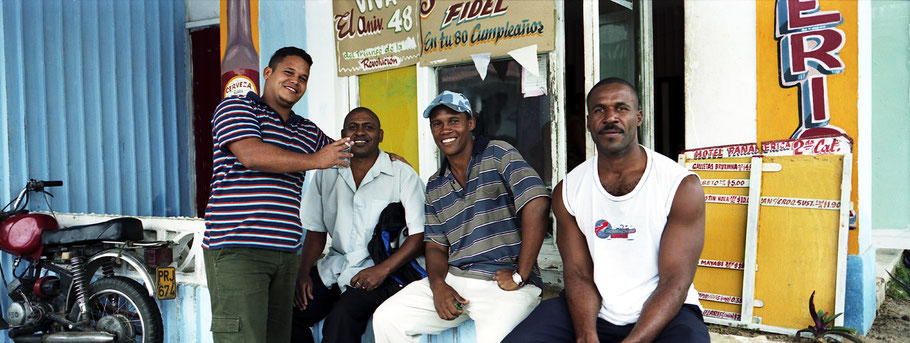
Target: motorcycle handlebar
{"type": "Point", "coordinates": [31, 186]}
{"type": "Point", "coordinates": [37, 185]}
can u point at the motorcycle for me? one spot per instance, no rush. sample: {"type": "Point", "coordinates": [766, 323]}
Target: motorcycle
{"type": "Point", "coordinates": [70, 290]}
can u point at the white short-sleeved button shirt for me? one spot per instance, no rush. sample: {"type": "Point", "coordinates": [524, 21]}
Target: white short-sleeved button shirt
{"type": "Point", "coordinates": [333, 203]}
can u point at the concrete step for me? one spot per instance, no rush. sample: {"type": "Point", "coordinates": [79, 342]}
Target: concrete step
{"type": "Point", "coordinates": [885, 259]}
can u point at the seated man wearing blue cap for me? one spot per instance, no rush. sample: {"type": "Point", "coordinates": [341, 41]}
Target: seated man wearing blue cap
{"type": "Point", "coordinates": [486, 214]}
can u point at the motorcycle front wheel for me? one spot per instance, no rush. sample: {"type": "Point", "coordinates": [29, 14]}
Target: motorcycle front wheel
{"type": "Point", "coordinates": [121, 306]}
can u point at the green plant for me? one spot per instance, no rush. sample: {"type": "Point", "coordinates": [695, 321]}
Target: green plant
{"type": "Point", "coordinates": [899, 286]}
{"type": "Point", "coordinates": [824, 325]}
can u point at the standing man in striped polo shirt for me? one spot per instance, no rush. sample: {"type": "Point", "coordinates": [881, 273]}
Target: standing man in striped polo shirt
{"type": "Point", "coordinates": [486, 214]}
{"type": "Point", "coordinates": [252, 221]}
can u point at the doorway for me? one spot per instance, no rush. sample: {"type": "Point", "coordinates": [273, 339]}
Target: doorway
{"type": "Point", "coordinates": [621, 54]}
{"type": "Point", "coordinates": [206, 76]}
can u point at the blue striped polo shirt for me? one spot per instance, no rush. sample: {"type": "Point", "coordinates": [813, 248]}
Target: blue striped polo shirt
{"type": "Point", "coordinates": [479, 223]}
{"type": "Point", "coordinates": [251, 208]}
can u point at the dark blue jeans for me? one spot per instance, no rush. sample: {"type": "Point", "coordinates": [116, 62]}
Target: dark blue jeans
{"type": "Point", "coordinates": [550, 322]}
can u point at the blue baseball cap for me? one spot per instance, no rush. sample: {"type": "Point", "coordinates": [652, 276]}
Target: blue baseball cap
{"type": "Point", "coordinates": [456, 101]}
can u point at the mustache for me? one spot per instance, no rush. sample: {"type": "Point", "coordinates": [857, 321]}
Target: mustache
{"type": "Point", "coordinates": [610, 127]}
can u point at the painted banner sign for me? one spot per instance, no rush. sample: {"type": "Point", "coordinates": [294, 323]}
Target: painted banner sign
{"type": "Point", "coordinates": [720, 314]}
{"type": "Point", "coordinates": [374, 35]}
{"type": "Point", "coordinates": [742, 183]}
{"type": "Point", "coordinates": [839, 144]}
{"type": "Point", "coordinates": [809, 45]}
{"type": "Point", "coordinates": [727, 315]}
{"type": "Point", "coordinates": [725, 151]}
{"type": "Point", "coordinates": [719, 166]}
{"type": "Point", "coordinates": [453, 30]}
{"type": "Point", "coordinates": [734, 167]}
{"type": "Point", "coordinates": [721, 264]}
{"type": "Point", "coordinates": [727, 199]}
{"type": "Point", "coordinates": [819, 204]}
{"type": "Point", "coordinates": [729, 299]}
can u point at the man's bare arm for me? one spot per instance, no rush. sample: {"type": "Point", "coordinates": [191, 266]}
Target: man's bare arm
{"type": "Point", "coordinates": [680, 248]}
{"type": "Point", "coordinates": [444, 296]}
{"type": "Point", "coordinates": [578, 271]}
{"type": "Point", "coordinates": [258, 155]}
{"type": "Point", "coordinates": [533, 228]}
{"type": "Point", "coordinates": [412, 247]}
{"type": "Point", "coordinates": [313, 245]}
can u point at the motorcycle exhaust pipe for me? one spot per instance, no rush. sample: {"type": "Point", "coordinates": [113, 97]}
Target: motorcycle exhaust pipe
{"type": "Point", "coordinates": [67, 337]}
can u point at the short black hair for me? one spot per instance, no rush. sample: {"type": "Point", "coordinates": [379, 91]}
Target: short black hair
{"type": "Point", "coordinates": [364, 110]}
{"type": "Point", "coordinates": [611, 81]}
{"type": "Point", "coordinates": [279, 56]}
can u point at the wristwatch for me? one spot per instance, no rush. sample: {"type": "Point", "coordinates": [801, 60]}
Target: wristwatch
{"type": "Point", "coordinates": [517, 279]}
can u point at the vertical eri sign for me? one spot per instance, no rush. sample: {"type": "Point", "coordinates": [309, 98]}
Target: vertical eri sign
{"type": "Point", "coordinates": [374, 35]}
{"type": "Point", "coordinates": [809, 46]}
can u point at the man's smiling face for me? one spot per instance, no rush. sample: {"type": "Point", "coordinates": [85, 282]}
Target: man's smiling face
{"type": "Point", "coordinates": [287, 82]}
{"type": "Point", "coordinates": [451, 130]}
{"type": "Point", "coordinates": [365, 132]}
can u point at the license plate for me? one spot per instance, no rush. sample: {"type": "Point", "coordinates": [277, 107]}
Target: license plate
{"type": "Point", "coordinates": [167, 283]}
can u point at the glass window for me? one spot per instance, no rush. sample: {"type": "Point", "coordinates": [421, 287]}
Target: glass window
{"type": "Point", "coordinates": [501, 110]}
{"type": "Point", "coordinates": [619, 40]}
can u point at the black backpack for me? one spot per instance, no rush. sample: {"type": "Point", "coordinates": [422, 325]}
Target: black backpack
{"type": "Point", "coordinates": [389, 234]}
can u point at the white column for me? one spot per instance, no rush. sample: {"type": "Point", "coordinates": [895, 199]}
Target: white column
{"type": "Point", "coordinates": [720, 72]}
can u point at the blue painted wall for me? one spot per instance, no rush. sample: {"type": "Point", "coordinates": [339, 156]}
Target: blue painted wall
{"type": "Point", "coordinates": [94, 94]}
{"type": "Point", "coordinates": [890, 114]}
{"type": "Point", "coordinates": [859, 300]}
{"type": "Point", "coordinates": [281, 24]}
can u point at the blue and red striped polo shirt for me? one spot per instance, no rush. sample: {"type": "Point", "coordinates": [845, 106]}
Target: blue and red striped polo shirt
{"type": "Point", "coordinates": [251, 208]}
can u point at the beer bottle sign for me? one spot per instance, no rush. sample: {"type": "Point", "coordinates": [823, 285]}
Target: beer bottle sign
{"type": "Point", "coordinates": [240, 64]}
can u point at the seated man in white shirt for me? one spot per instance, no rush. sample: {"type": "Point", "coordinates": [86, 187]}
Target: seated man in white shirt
{"type": "Point", "coordinates": [345, 287]}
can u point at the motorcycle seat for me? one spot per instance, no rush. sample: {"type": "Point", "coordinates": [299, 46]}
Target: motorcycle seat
{"type": "Point", "coordinates": [119, 229]}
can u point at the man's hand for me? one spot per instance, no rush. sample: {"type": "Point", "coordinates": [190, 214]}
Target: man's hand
{"type": "Point", "coordinates": [304, 291]}
{"type": "Point", "coordinates": [504, 278]}
{"type": "Point", "coordinates": [395, 157]}
{"type": "Point", "coordinates": [370, 278]}
{"type": "Point", "coordinates": [444, 298]}
{"type": "Point", "coordinates": [331, 155]}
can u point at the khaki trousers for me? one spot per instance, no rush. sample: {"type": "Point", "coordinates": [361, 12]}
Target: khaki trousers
{"type": "Point", "coordinates": [410, 313]}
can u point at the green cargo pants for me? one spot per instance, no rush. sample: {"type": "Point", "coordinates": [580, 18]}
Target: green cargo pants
{"type": "Point", "coordinates": [252, 293]}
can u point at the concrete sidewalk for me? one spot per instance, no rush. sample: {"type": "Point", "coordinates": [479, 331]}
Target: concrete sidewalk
{"type": "Point", "coordinates": [719, 338]}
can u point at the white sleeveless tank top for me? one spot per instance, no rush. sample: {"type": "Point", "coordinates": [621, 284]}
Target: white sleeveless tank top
{"type": "Point", "coordinates": [623, 232]}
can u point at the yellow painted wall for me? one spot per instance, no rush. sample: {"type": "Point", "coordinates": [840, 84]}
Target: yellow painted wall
{"type": "Point", "coordinates": [797, 247]}
{"type": "Point", "coordinates": [778, 108]}
{"type": "Point", "coordinates": [392, 94]}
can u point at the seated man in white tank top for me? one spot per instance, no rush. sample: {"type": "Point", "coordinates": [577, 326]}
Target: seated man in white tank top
{"type": "Point", "coordinates": [630, 229]}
